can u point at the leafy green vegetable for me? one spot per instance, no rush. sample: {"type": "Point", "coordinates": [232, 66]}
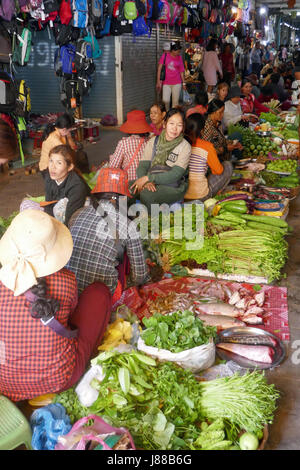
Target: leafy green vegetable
{"type": "Point", "coordinates": [166, 415]}
{"type": "Point", "coordinates": [176, 332]}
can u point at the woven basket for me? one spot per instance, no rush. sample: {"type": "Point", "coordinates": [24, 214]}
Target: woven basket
{"type": "Point", "coordinates": [294, 192]}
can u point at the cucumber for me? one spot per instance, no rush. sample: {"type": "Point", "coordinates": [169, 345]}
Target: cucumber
{"type": "Point", "coordinates": [234, 208]}
{"type": "Point", "coordinates": [265, 227]}
{"type": "Point", "coordinates": [266, 220]}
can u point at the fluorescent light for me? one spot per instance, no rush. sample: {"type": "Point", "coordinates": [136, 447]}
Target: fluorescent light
{"type": "Point", "coordinates": [262, 11]}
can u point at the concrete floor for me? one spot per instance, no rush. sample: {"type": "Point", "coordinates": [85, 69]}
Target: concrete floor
{"type": "Point", "coordinates": [284, 433]}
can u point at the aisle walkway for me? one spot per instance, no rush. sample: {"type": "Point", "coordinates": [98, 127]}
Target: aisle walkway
{"type": "Point", "coordinates": [284, 434]}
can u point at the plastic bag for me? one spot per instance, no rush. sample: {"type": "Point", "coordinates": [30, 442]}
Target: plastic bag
{"type": "Point", "coordinates": [98, 432]}
{"type": "Point", "coordinates": [186, 97]}
{"type": "Point", "coordinates": [59, 210]}
{"type": "Point", "coordinates": [195, 359]}
{"type": "Point", "coordinates": [48, 423]}
{"type": "Point", "coordinates": [87, 395]}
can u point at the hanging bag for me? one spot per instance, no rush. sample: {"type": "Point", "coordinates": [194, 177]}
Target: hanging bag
{"type": "Point", "coordinates": [163, 70]}
{"type": "Point", "coordinates": [134, 155]}
{"type": "Point", "coordinates": [65, 12]}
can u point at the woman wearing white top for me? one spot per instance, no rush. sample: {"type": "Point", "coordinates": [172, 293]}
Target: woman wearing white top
{"type": "Point", "coordinates": [233, 112]}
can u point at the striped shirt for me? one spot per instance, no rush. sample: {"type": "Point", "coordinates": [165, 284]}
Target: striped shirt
{"type": "Point", "coordinates": [203, 156]}
{"type": "Point", "coordinates": [124, 152]}
{"type": "Point", "coordinates": [95, 253]}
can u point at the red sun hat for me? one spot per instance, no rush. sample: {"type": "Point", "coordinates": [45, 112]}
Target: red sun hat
{"type": "Point", "coordinates": [136, 123]}
{"type": "Point", "coordinates": [112, 180]}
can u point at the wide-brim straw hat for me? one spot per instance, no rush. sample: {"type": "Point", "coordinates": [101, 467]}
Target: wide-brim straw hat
{"type": "Point", "coordinates": [34, 245]}
{"type": "Point", "coordinates": [136, 123]}
{"type": "Point", "coordinates": [112, 180]}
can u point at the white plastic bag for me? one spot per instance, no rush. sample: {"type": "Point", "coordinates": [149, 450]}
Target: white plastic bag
{"type": "Point", "coordinates": [195, 359]}
{"type": "Point", "coordinates": [87, 395]}
{"type": "Point", "coordinates": [186, 97]}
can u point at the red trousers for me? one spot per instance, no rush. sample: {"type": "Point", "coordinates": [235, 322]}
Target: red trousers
{"type": "Point", "coordinates": [91, 317]}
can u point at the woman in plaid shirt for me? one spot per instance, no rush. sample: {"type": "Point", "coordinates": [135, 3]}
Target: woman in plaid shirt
{"type": "Point", "coordinates": [39, 352]}
{"type": "Point", "coordinates": [102, 233]}
{"type": "Point", "coordinates": [129, 150]}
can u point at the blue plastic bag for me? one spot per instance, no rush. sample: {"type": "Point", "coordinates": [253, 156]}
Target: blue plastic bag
{"type": "Point", "coordinates": [48, 423]}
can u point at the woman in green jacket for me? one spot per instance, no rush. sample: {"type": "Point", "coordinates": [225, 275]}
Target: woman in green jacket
{"type": "Point", "coordinates": [162, 171]}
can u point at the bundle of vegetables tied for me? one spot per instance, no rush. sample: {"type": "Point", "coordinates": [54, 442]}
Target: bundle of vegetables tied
{"type": "Point", "coordinates": [166, 407]}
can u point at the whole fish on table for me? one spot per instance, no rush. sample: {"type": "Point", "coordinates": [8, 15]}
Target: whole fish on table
{"type": "Point", "coordinates": [221, 322]}
{"type": "Point", "coordinates": [218, 308]}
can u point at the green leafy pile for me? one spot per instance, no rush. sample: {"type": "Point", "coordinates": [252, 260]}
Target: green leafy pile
{"type": "Point", "coordinates": [253, 252]}
{"type": "Point", "coordinates": [176, 332]}
{"type": "Point", "coordinates": [162, 404]}
{"type": "Point", "coordinates": [5, 222]}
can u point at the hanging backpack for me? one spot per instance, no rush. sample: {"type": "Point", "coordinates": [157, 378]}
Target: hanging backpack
{"type": "Point", "coordinates": [117, 28]}
{"type": "Point", "coordinates": [91, 39]}
{"type": "Point", "coordinates": [34, 4]}
{"type": "Point", "coordinates": [22, 43]}
{"type": "Point", "coordinates": [5, 45]}
{"type": "Point", "coordinates": [50, 6]}
{"type": "Point", "coordinates": [177, 10]}
{"type": "Point", "coordinates": [69, 94]}
{"type": "Point", "coordinates": [65, 12]}
{"type": "Point", "coordinates": [149, 9]}
{"type": "Point", "coordinates": [96, 13]}
{"type": "Point", "coordinates": [164, 16]}
{"type": "Point", "coordinates": [63, 34]}
{"type": "Point", "coordinates": [23, 102]}
{"type": "Point", "coordinates": [80, 13]}
{"type": "Point", "coordinates": [84, 83]}
{"type": "Point", "coordinates": [156, 9]}
{"type": "Point", "coordinates": [141, 7]}
{"type": "Point", "coordinates": [130, 11]}
{"type": "Point", "coordinates": [67, 57]}
{"type": "Point", "coordinates": [99, 33]}
{"type": "Point", "coordinates": [7, 93]}
{"type": "Point", "coordinates": [140, 27]}
{"type": "Point", "coordinates": [83, 55]}
{"type": "Point", "coordinates": [7, 9]}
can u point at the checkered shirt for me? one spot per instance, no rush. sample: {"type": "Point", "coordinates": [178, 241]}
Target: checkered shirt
{"type": "Point", "coordinates": [94, 256]}
{"type": "Point", "coordinates": [34, 359]}
{"type": "Point", "coordinates": [124, 153]}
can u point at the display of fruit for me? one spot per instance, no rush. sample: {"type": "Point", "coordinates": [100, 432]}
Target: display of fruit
{"type": "Point", "coordinates": [284, 166]}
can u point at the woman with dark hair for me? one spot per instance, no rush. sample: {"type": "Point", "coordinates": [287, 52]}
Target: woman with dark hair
{"type": "Point", "coordinates": [130, 149]}
{"type": "Point", "coordinates": [64, 184]}
{"type": "Point", "coordinates": [174, 77]}
{"type": "Point", "coordinates": [8, 142]}
{"type": "Point", "coordinates": [211, 65]}
{"type": "Point", "coordinates": [162, 170]}
{"type": "Point", "coordinates": [228, 64]}
{"type": "Point", "coordinates": [249, 103]}
{"type": "Point", "coordinates": [204, 158]}
{"type": "Point", "coordinates": [59, 133]}
{"type": "Point", "coordinates": [157, 114]}
{"type": "Point", "coordinates": [212, 131]}
{"type": "Point", "coordinates": [39, 306]}
{"type": "Point", "coordinates": [200, 105]}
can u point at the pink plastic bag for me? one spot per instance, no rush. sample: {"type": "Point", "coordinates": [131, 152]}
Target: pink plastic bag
{"type": "Point", "coordinates": [80, 434]}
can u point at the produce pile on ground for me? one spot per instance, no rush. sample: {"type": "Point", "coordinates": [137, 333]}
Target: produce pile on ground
{"type": "Point", "coordinates": [254, 145]}
{"type": "Point", "coordinates": [166, 407]}
{"type": "Point", "coordinates": [176, 332]}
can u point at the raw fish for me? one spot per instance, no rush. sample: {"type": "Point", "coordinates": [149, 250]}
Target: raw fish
{"type": "Point", "coordinates": [254, 353]}
{"type": "Point", "coordinates": [218, 308]}
{"type": "Point", "coordinates": [220, 321]}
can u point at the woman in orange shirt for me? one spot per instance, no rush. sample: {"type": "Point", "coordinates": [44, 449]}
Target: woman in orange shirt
{"type": "Point", "coordinates": [204, 159]}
